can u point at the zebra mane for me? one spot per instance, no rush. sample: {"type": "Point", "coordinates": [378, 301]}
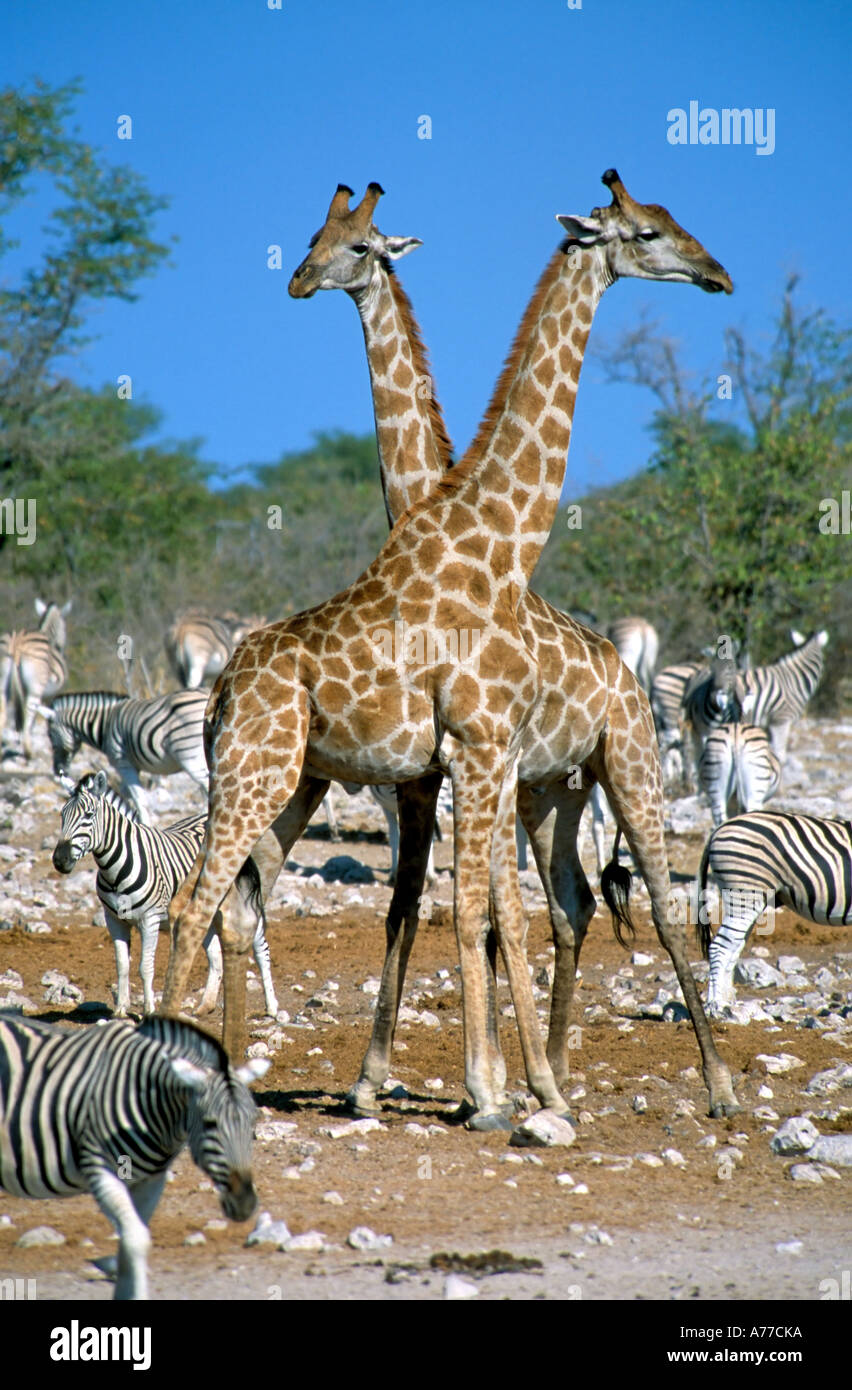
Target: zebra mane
{"type": "Point", "coordinates": [187, 1040]}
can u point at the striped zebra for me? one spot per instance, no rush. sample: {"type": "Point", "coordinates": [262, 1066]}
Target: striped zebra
{"type": "Point", "coordinates": [140, 869]}
{"type": "Point", "coordinates": [199, 646]}
{"type": "Point", "coordinates": [33, 668]}
{"type": "Point", "coordinates": [637, 643]}
{"type": "Point", "coordinates": [770, 859]}
{"type": "Point", "coordinates": [738, 770]}
{"type": "Point", "coordinates": [781, 691]}
{"type": "Point", "coordinates": [162, 735]}
{"type": "Point", "coordinates": [666, 695]}
{"type": "Point", "coordinates": [106, 1109]}
{"type": "Point", "coordinates": [712, 698]}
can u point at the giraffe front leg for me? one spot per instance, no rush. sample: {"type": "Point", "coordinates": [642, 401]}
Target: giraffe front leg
{"type": "Point", "coordinates": [416, 803]}
{"type": "Point", "coordinates": [210, 997]}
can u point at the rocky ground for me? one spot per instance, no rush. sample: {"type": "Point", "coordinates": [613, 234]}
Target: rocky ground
{"type": "Point", "coordinates": [650, 1200]}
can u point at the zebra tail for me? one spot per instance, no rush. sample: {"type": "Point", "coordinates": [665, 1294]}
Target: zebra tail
{"type": "Point", "coordinates": [615, 886]}
{"type": "Point", "coordinates": [251, 889]}
{"type": "Point", "coordinates": [702, 924]}
{"type": "Point", "coordinates": [16, 695]}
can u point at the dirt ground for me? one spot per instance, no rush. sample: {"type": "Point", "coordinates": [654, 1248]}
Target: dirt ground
{"type": "Point", "coordinates": [616, 1226]}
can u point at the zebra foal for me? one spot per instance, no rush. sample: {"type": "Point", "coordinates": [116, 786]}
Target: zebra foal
{"type": "Point", "coordinates": [106, 1109]}
{"type": "Point", "coordinates": [780, 693]}
{"type": "Point", "coordinates": [33, 668]}
{"type": "Point", "coordinates": [162, 735]}
{"type": "Point", "coordinates": [738, 770]}
{"type": "Point", "coordinates": [769, 859]}
{"type": "Point", "coordinates": [140, 868]}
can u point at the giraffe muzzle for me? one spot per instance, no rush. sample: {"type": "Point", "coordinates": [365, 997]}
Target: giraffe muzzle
{"type": "Point", "coordinates": [303, 283]}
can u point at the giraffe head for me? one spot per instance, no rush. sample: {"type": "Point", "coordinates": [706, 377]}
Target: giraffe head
{"type": "Point", "coordinates": [643, 240]}
{"type": "Point", "coordinates": [343, 253]}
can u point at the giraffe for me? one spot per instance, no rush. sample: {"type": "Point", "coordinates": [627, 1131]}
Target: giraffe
{"type": "Point", "coordinates": [316, 696]}
{"type": "Point", "coordinates": [350, 253]}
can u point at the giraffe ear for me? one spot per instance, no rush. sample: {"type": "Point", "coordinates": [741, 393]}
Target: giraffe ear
{"type": "Point", "coordinates": [583, 229]}
{"type": "Point", "coordinates": [397, 246]}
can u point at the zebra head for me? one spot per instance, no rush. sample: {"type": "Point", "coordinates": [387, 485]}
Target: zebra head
{"type": "Point", "coordinates": [221, 1128]}
{"type": "Point", "coordinates": [64, 743]}
{"type": "Point", "coordinates": [80, 821]}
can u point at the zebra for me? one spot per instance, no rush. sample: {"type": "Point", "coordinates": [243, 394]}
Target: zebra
{"type": "Point", "coordinates": [738, 770]}
{"type": "Point", "coordinates": [666, 696]}
{"type": "Point", "coordinates": [637, 643]}
{"type": "Point", "coordinates": [199, 647]}
{"type": "Point", "coordinates": [140, 869]}
{"type": "Point", "coordinates": [781, 691]}
{"type": "Point", "coordinates": [164, 734]}
{"type": "Point", "coordinates": [107, 1108]}
{"type": "Point", "coordinates": [33, 668]}
{"type": "Point", "coordinates": [713, 697]}
{"type": "Point", "coordinates": [768, 859]}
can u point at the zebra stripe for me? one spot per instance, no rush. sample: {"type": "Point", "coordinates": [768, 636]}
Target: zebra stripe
{"type": "Point", "coordinates": [106, 1109]}
{"type": "Point", "coordinates": [711, 698]}
{"type": "Point", "coordinates": [140, 869]}
{"type": "Point", "coordinates": [738, 770]}
{"type": "Point", "coordinates": [161, 735]}
{"type": "Point", "coordinates": [666, 695]}
{"type": "Point", "coordinates": [781, 692]}
{"type": "Point", "coordinates": [33, 668]}
{"type": "Point", "coordinates": [637, 644]}
{"type": "Point", "coordinates": [772, 859]}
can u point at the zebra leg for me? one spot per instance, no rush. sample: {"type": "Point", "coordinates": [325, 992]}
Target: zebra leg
{"type": "Point", "coordinates": [149, 928]}
{"type": "Point", "coordinates": [598, 827]}
{"type": "Point", "coordinates": [393, 838]}
{"type": "Point", "coordinates": [331, 814]}
{"type": "Point", "coordinates": [210, 997]}
{"type": "Point", "coordinates": [416, 803]}
{"type": "Point", "coordinates": [522, 842]}
{"type": "Point", "coordinates": [120, 933]}
{"type": "Point", "coordinates": [779, 737]}
{"type": "Point", "coordinates": [551, 819]}
{"type": "Point", "coordinates": [738, 917]}
{"type": "Point", "coordinates": [260, 951]}
{"type": "Point", "coordinates": [134, 1240]}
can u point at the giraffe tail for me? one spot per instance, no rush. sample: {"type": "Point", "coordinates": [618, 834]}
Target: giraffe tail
{"type": "Point", "coordinates": [702, 923]}
{"type": "Point", "coordinates": [615, 886]}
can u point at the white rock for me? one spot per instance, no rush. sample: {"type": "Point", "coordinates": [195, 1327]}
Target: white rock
{"type": "Point", "coordinates": [309, 1241]}
{"type": "Point", "coordinates": [795, 1136]}
{"type": "Point", "coordinates": [776, 1066]}
{"type": "Point", "coordinates": [826, 1081]}
{"type": "Point", "coordinates": [457, 1288]}
{"type": "Point", "coordinates": [804, 1172]}
{"type": "Point", "coordinates": [195, 1238]}
{"type": "Point", "coordinates": [371, 986]}
{"type": "Point", "coordinates": [433, 1083]}
{"type": "Point", "coordinates": [333, 1199]}
{"type": "Point", "coordinates": [832, 1148]}
{"type": "Point", "coordinates": [791, 965]}
{"type": "Point", "coordinates": [641, 958]}
{"type": "Point", "coordinates": [362, 1238]}
{"type": "Point", "coordinates": [650, 1160]}
{"type": "Point", "coordinates": [757, 973]}
{"type": "Point", "coordinates": [766, 1093]}
{"type": "Point", "coordinates": [274, 1129]}
{"type": "Point", "coordinates": [790, 1247]}
{"type": "Point", "coordinates": [546, 1129]}
{"type": "Point", "coordinates": [10, 979]}
{"type": "Point", "coordinates": [640, 1104]}
{"type": "Point", "coordinates": [40, 1235]}
{"type": "Point", "coordinates": [564, 1179]}
{"type": "Point", "coordinates": [353, 1128]}
{"type": "Point", "coordinates": [674, 1157]}
{"type": "Point", "coordinates": [595, 1236]}
{"type": "Point", "coordinates": [269, 1232]}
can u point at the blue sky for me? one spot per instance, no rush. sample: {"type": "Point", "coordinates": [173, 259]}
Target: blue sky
{"type": "Point", "coordinates": [248, 117]}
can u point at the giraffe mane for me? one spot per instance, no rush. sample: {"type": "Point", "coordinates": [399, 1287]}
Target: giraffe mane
{"type": "Point", "coordinates": [420, 360]}
{"type": "Point", "coordinates": [494, 409]}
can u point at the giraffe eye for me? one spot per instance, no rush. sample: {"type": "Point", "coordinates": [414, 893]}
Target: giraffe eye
{"type": "Point", "coordinates": [648, 235]}
{"type": "Point", "coordinates": [360, 249]}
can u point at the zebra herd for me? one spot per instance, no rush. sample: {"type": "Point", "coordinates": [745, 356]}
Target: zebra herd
{"type": "Point", "coordinates": [75, 1106]}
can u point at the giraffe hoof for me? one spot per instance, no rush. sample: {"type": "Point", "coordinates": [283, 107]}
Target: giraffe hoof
{"type": "Point", "coordinates": [363, 1104]}
{"type": "Point", "coordinates": [488, 1123]}
{"type": "Point", "coordinates": [724, 1109]}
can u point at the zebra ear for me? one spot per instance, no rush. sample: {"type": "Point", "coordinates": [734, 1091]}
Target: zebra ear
{"type": "Point", "coordinates": [99, 785]}
{"type": "Point", "coordinates": [190, 1073]}
{"type": "Point", "coordinates": [66, 608]}
{"type": "Point", "coordinates": [798, 637]}
{"type": "Point", "coordinates": [253, 1070]}
{"type": "Point", "coordinates": [40, 607]}
{"type": "Point", "coordinates": [46, 712]}
{"type": "Point", "coordinates": [66, 783]}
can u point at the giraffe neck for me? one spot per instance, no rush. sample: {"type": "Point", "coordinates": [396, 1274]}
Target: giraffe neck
{"type": "Point", "coordinates": [510, 480]}
{"type": "Point", "coordinates": [414, 449]}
